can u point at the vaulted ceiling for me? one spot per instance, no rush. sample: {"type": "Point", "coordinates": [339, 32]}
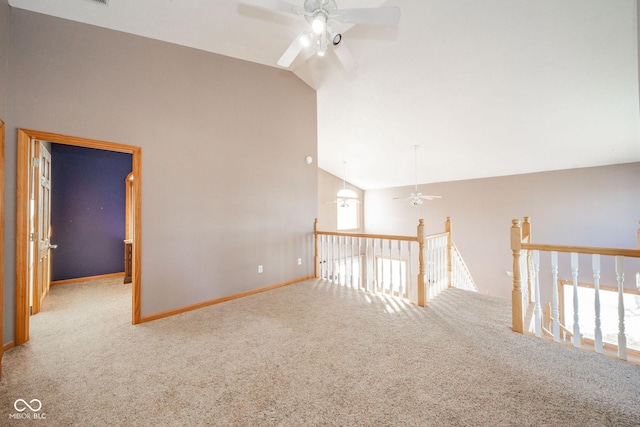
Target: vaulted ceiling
{"type": "Point", "coordinates": [484, 87]}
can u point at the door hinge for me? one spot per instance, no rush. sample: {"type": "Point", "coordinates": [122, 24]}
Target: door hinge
{"type": "Point", "coordinates": [35, 162]}
{"type": "Point", "coordinates": [34, 237]}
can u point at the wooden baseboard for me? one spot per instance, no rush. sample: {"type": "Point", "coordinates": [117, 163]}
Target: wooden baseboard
{"type": "Point", "coordinates": [7, 346]}
{"type": "Point", "coordinates": [219, 300]}
{"type": "Point", "coordinates": [86, 279]}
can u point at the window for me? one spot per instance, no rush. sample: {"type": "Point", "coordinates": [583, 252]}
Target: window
{"type": "Point", "coordinates": [347, 209]}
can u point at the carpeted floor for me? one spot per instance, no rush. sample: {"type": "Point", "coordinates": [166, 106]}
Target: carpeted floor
{"type": "Point", "coordinates": [312, 353]}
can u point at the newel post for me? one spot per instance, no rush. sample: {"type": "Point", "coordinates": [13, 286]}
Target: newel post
{"type": "Point", "coordinates": [447, 229]}
{"type": "Point", "coordinates": [316, 263]}
{"type": "Point", "coordinates": [422, 266]}
{"type": "Point", "coordinates": [516, 294]}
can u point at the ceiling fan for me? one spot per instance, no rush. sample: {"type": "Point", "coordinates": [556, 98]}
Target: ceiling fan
{"type": "Point", "coordinates": [416, 198]}
{"type": "Point", "coordinates": [345, 197]}
{"type": "Point", "coordinates": [322, 14]}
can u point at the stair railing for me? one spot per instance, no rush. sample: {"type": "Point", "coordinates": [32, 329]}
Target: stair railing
{"type": "Point", "coordinates": [417, 268]}
{"type": "Point", "coordinates": [527, 286]}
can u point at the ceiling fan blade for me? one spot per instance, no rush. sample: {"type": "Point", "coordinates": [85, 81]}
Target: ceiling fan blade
{"type": "Point", "coordinates": [292, 52]}
{"type": "Point", "coordinates": [427, 197]}
{"type": "Point", "coordinates": [374, 16]}
{"type": "Point", "coordinates": [279, 5]}
{"type": "Point", "coordinates": [345, 57]}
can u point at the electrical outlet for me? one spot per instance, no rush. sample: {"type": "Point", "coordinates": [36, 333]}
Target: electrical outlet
{"type": "Point", "coordinates": [299, 261]}
{"type": "Point", "coordinates": [259, 269]}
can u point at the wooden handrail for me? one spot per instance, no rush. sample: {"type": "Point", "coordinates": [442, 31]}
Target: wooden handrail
{"type": "Point", "coordinates": [632, 253]}
{"type": "Point", "coordinates": [369, 236]}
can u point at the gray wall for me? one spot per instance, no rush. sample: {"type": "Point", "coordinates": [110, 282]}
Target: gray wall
{"type": "Point", "coordinates": [328, 187]}
{"type": "Point", "coordinates": [225, 184]}
{"type": "Point", "coordinates": [597, 206]}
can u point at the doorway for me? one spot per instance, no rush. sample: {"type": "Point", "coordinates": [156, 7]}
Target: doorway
{"type": "Point", "coordinates": [23, 236]}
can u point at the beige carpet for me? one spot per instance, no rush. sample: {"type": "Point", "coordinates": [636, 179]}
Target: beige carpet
{"type": "Point", "coordinates": [306, 354]}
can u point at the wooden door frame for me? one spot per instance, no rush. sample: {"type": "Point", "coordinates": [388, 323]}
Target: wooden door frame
{"type": "Point", "coordinates": [1, 242]}
{"type": "Point", "coordinates": [22, 219]}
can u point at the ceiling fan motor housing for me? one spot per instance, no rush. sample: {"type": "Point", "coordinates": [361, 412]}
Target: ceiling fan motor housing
{"type": "Point", "coordinates": [329, 7]}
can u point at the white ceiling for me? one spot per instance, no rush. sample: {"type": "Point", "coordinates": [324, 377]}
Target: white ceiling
{"type": "Point", "coordinates": [485, 87]}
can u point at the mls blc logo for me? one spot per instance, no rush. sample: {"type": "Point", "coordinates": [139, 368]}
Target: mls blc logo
{"type": "Point", "coordinates": [34, 405]}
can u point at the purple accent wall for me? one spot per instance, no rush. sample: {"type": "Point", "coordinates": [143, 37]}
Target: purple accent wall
{"type": "Point", "coordinates": [87, 211]}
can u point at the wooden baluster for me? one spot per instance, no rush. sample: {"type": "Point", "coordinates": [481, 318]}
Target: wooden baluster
{"type": "Point", "coordinates": [337, 262]}
{"type": "Point", "coordinates": [595, 263]}
{"type": "Point", "coordinates": [330, 244]}
{"type": "Point", "coordinates": [517, 314]}
{"type": "Point", "coordinates": [437, 266]}
{"type": "Point", "coordinates": [342, 264]}
{"type": "Point", "coordinates": [383, 282]}
{"type": "Point", "coordinates": [375, 268]}
{"type": "Point", "coordinates": [410, 272]}
{"type": "Point", "coordinates": [555, 311]}
{"type": "Point", "coordinates": [400, 287]}
{"type": "Point", "coordinates": [622, 338]}
{"type": "Point", "coordinates": [316, 268]}
{"type": "Point", "coordinates": [325, 259]}
{"type": "Point", "coordinates": [429, 268]}
{"type": "Point", "coordinates": [336, 274]}
{"type": "Point", "coordinates": [365, 270]}
{"type": "Point", "coordinates": [345, 261]}
{"type": "Point", "coordinates": [442, 265]}
{"type": "Point", "coordinates": [391, 285]}
{"type": "Point", "coordinates": [347, 271]}
{"type": "Point", "coordinates": [536, 290]}
{"type": "Point", "coordinates": [576, 306]}
{"type": "Point", "coordinates": [353, 273]}
{"type": "Point", "coordinates": [360, 271]}
{"type": "Point", "coordinates": [445, 272]}
{"type": "Point", "coordinates": [355, 279]}
{"type": "Point", "coordinates": [447, 229]}
{"type": "Point", "coordinates": [381, 260]}
{"type": "Point", "coordinates": [421, 265]}
{"type": "Point", "coordinates": [332, 250]}
{"type": "Point", "coordinates": [322, 256]}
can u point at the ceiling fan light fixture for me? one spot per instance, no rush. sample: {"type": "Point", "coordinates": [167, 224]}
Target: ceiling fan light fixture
{"type": "Point", "coordinates": [319, 24]}
{"type": "Point", "coordinates": [321, 49]}
{"type": "Point", "coordinates": [305, 40]}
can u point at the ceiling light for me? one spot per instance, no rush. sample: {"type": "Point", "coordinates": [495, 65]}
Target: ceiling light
{"type": "Point", "coordinates": [319, 23]}
{"type": "Point", "coordinates": [305, 40]}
